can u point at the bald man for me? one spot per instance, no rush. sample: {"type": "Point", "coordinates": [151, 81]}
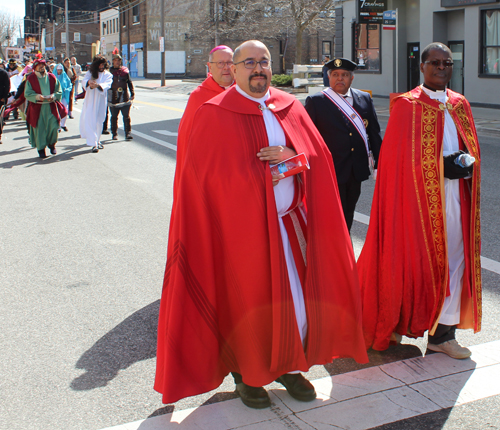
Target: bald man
{"type": "Point", "coordinates": [238, 294]}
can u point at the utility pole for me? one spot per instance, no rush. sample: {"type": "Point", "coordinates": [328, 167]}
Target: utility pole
{"type": "Point", "coordinates": [216, 6]}
{"type": "Point", "coordinates": [39, 33]}
{"type": "Point", "coordinates": [163, 36]}
{"type": "Point", "coordinates": [67, 26]}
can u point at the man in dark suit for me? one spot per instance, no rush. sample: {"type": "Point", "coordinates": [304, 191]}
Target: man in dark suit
{"type": "Point", "coordinates": [346, 119]}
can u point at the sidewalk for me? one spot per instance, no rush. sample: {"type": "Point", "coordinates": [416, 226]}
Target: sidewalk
{"type": "Point", "coordinates": [358, 400]}
{"type": "Point", "coordinates": [487, 120]}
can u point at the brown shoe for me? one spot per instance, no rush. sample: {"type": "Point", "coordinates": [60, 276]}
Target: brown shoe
{"type": "Point", "coordinates": [396, 337]}
{"type": "Point", "coordinates": [298, 387]}
{"type": "Point", "coordinates": [451, 348]}
{"type": "Point", "coordinates": [253, 397]}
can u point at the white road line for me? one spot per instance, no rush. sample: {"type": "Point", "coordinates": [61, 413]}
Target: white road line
{"type": "Point", "coordinates": [155, 140]}
{"type": "Point", "coordinates": [491, 265]}
{"type": "Point", "coordinates": [486, 263]}
{"type": "Point", "coordinates": [165, 132]}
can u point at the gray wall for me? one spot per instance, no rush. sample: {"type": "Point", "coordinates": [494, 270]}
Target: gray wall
{"type": "Point", "coordinates": [425, 21]}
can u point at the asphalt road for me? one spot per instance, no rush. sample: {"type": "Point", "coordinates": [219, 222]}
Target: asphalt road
{"type": "Point", "coordinates": [83, 242]}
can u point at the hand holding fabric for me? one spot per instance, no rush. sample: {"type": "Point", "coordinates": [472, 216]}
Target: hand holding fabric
{"type": "Point", "coordinates": [454, 171]}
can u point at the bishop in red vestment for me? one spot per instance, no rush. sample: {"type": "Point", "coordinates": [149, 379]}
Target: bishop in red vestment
{"type": "Point", "coordinates": [420, 267]}
{"type": "Point", "coordinates": [255, 286]}
{"type": "Point", "coordinates": [219, 79]}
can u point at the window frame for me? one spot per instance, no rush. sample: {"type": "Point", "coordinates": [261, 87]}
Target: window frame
{"type": "Point", "coordinates": [482, 37]}
{"type": "Point", "coordinates": [355, 41]}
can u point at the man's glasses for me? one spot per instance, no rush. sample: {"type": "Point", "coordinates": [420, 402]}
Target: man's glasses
{"type": "Point", "coordinates": [437, 63]}
{"type": "Point", "coordinates": [252, 64]}
{"type": "Point", "coordinates": [221, 64]}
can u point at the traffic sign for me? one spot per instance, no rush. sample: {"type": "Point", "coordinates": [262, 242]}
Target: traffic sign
{"type": "Point", "coordinates": [389, 20]}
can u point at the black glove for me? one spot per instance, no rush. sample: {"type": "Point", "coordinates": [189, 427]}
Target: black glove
{"type": "Point", "coordinates": [455, 171]}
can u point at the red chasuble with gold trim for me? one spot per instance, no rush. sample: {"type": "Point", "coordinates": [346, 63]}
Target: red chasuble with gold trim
{"type": "Point", "coordinates": [226, 302]}
{"type": "Point", "coordinates": [403, 267]}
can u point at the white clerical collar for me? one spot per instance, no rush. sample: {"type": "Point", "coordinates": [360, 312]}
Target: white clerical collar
{"type": "Point", "coordinates": [438, 94]}
{"type": "Point", "coordinates": [260, 100]}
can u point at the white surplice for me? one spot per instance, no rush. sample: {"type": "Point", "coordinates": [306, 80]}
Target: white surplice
{"type": "Point", "coordinates": [94, 107]}
{"type": "Point", "coordinates": [450, 314]}
{"type": "Point", "coordinates": [284, 193]}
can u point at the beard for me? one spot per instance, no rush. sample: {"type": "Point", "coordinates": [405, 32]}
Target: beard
{"type": "Point", "coordinates": [259, 88]}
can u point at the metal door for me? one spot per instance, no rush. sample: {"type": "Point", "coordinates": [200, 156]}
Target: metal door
{"type": "Point", "coordinates": [457, 78]}
{"type": "Point", "coordinates": [413, 65]}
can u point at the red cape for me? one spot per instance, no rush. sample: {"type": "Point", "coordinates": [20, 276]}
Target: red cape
{"type": "Point", "coordinates": [226, 303]}
{"type": "Point", "coordinates": [403, 267]}
{"type": "Point", "coordinates": [33, 110]}
{"type": "Point", "coordinates": [203, 93]}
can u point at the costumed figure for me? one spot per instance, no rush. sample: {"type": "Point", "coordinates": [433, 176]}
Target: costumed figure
{"type": "Point", "coordinates": [119, 99]}
{"type": "Point", "coordinates": [346, 119]}
{"type": "Point", "coordinates": [4, 95]}
{"type": "Point", "coordinates": [78, 72]}
{"type": "Point", "coordinates": [96, 82]}
{"type": "Point", "coordinates": [44, 112]}
{"type": "Point", "coordinates": [19, 101]}
{"type": "Point", "coordinates": [260, 275]}
{"type": "Point", "coordinates": [420, 267]}
{"type": "Point", "coordinates": [70, 71]}
{"type": "Point", "coordinates": [66, 87]}
{"type": "Point", "coordinates": [219, 79]}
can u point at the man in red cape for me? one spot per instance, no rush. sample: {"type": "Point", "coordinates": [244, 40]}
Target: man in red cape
{"type": "Point", "coordinates": [220, 78]}
{"type": "Point", "coordinates": [252, 287]}
{"type": "Point", "coordinates": [420, 267]}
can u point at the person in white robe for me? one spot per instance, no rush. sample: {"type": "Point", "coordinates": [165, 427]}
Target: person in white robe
{"type": "Point", "coordinates": [96, 82]}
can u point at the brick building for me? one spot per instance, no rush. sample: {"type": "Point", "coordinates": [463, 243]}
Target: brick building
{"type": "Point", "coordinates": [187, 45]}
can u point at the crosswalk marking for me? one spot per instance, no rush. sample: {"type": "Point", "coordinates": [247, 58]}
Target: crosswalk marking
{"type": "Point", "coordinates": [165, 132]}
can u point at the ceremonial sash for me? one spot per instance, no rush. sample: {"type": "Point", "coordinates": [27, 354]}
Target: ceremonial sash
{"type": "Point", "coordinates": [346, 108]}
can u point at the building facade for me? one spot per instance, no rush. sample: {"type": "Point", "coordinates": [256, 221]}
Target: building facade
{"type": "Point", "coordinates": [187, 43]}
{"type": "Point", "coordinates": [110, 32]}
{"type": "Point", "coordinates": [389, 60]}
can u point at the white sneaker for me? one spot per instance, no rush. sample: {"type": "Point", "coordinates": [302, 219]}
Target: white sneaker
{"type": "Point", "coordinates": [451, 348]}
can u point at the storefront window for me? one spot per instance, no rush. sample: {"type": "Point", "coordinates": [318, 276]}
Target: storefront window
{"type": "Point", "coordinates": [491, 42]}
{"type": "Point", "coordinates": [367, 47]}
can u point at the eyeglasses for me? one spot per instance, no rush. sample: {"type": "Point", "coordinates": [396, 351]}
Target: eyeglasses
{"type": "Point", "coordinates": [221, 64]}
{"type": "Point", "coordinates": [252, 64]}
{"type": "Point", "coordinates": [437, 63]}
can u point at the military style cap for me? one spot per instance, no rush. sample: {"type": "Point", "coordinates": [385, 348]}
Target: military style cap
{"type": "Point", "coordinates": [341, 63]}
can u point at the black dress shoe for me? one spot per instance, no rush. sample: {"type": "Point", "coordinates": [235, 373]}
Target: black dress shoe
{"type": "Point", "coordinates": [52, 149]}
{"type": "Point", "coordinates": [42, 153]}
{"type": "Point", "coordinates": [298, 387]}
{"type": "Point", "coordinates": [129, 136]}
{"type": "Point", "coordinates": [253, 397]}
{"type": "Point", "coordinates": [105, 132]}
{"type": "Point", "coordinates": [65, 128]}
{"type": "Point", "coordinates": [70, 117]}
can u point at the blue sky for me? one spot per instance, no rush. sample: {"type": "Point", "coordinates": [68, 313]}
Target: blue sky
{"type": "Point", "coordinates": [15, 7]}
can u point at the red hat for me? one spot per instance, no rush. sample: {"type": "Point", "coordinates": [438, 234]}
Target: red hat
{"type": "Point", "coordinates": [38, 60]}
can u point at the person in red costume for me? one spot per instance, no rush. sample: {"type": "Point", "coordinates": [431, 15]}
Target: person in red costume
{"type": "Point", "coordinates": [420, 267]}
{"type": "Point", "coordinates": [260, 278]}
{"type": "Point", "coordinates": [220, 78]}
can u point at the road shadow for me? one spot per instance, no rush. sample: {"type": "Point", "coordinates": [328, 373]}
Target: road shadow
{"type": "Point", "coordinates": [62, 155]}
{"type": "Point", "coordinates": [375, 358]}
{"type": "Point", "coordinates": [131, 341]}
{"type": "Point", "coordinates": [195, 418]}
